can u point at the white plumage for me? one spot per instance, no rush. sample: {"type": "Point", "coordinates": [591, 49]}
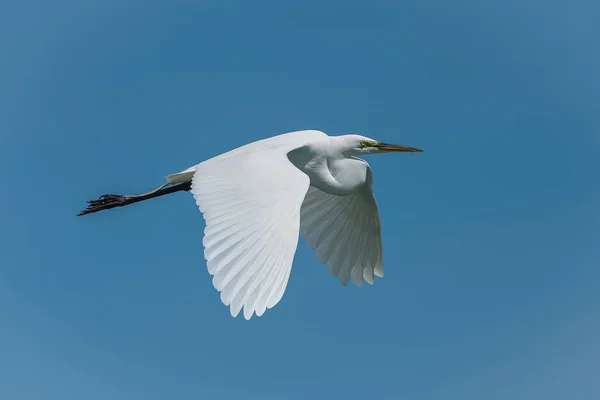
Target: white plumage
{"type": "Point", "coordinates": [258, 198]}
{"type": "Point", "coordinates": [255, 201]}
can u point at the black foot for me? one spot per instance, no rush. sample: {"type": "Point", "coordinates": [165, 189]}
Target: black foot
{"type": "Point", "coordinates": [105, 202]}
{"type": "Point", "coordinates": [118, 200]}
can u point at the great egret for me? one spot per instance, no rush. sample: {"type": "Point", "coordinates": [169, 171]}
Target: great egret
{"type": "Point", "coordinates": [256, 199]}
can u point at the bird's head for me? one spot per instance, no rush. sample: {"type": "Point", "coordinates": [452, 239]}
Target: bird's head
{"type": "Point", "coordinates": [360, 145]}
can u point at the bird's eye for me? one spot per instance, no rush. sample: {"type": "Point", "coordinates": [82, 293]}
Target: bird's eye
{"type": "Point", "coordinates": [367, 143]}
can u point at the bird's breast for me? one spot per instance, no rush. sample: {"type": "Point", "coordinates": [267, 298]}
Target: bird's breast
{"type": "Point", "coordinates": [340, 176]}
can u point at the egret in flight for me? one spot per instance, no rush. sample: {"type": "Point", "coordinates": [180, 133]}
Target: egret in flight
{"type": "Point", "coordinates": [258, 198]}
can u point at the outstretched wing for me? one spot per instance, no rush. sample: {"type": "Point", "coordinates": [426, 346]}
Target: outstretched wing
{"type": "Point", "coordinates": [251, 204]}
{"type": "Point", "coordinates": [345, 232]}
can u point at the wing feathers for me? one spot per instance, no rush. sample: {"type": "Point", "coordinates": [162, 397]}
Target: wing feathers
{"type": "Point", "coordinates": [345, 233]}
{"type": "Point", "coordinates": [252, 212]}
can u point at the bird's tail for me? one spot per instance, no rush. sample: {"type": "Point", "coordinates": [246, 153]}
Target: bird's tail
{"type": "Point", "coordinates": [181, 177]}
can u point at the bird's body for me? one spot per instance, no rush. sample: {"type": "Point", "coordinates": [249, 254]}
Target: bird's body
{"type": "Point", "coordinates": [256, 199]}
{"type": "Point", "coordinates": [310, 151]}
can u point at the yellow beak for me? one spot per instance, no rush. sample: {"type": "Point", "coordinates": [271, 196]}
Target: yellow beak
{"type": "Point", "coordinates": [394, 147]}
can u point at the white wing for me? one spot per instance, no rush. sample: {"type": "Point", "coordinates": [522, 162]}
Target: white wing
{"type": "Point", "coordinates": [251, 203]}
{"type": "Point", "coordinates": [345, 232]}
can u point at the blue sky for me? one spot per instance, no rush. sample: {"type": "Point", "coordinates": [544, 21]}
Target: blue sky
{"type": "Point", "coordinates": [492, 287]}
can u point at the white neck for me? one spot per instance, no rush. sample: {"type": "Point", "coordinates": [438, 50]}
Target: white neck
{"type": "Point", "coordinates": [332, 171]}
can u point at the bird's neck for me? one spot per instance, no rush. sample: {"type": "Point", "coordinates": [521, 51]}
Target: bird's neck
{"type": "Point", "coordinates": [347, 175]}
{"type": "Point", "coordinates": [332, 174]}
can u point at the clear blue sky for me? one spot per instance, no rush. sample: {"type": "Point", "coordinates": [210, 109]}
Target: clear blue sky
{"type": "Point", "coordinates": [490, 237]}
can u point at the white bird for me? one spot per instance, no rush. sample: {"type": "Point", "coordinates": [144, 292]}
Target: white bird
{"type": "Point", "coordinates": [258, 198]}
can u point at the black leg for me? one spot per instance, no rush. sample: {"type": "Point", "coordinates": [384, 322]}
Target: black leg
{"type": "Point", "coordinates": [109, 201]}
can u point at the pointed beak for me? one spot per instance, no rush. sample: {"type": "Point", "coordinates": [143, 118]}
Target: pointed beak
{"type": "Point", "coordinates": [387, 147]}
